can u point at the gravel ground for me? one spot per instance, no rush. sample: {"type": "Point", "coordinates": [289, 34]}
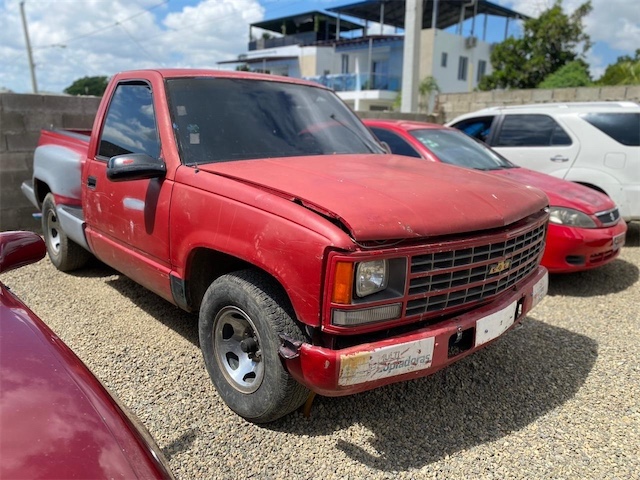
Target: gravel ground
{"type": "Point", "coordinates": [558, 398]}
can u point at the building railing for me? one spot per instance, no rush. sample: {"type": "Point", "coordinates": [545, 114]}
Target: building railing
{"type": "Point", "coordinates": [306, 38]}
{"type": "Point", "coordinates": [352, 82]}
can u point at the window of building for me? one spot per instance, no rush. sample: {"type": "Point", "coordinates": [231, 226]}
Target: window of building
{"type": "Point", "coordinates": [443, 59]}
{"type": "Point", "coordinates": [482, 69]}
{"type": "Point", "coordinates": [130, 125]}
{"type": "Point", "coordinates": [532, 130]}
{"type": "Point", "coordinates": [345, 63]}
{"type": "Point", "coordinates": [463, 65]}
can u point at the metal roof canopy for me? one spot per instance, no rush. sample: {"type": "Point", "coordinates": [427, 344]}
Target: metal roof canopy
{"type": "Point", "coordinates": [252, 60]}
{"type": "Point", "coordinates": [305, 22]}
{"type": "Point", "coordinates": [448, 12]}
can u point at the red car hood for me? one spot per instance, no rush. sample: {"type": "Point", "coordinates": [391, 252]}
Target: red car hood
{"type": "Point", "coordinates": [380, 197]}
{"type": "Point", "coordinates": [54, 422]}
{"type": "Point", "coordinates": [561, 193]}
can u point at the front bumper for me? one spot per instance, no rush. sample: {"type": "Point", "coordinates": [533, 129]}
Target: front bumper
{"type": "Point", "coordinates": [572, 249]}
{"type": "Point", "coordinates": [415, 354]}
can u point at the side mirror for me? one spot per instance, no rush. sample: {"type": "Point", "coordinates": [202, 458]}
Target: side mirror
{"type": "Point", "coordinates": [134, 166]}
{"type": "Point", "coordinates": [18, 249]}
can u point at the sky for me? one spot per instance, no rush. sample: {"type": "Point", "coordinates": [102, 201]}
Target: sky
{"type": "Point", "coordinates": [71, 39]}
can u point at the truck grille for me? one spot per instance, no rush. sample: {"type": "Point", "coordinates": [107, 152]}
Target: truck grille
{"type": "Point", "coordinates": [465, 274]}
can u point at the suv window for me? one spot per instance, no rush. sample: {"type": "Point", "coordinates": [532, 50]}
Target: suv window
{"type": "Point", "coordinates": [130, 125]}
{"type": "Point", "coordinates": [624, 128]}
{"type": "Point", "coordinates": [478, 128]}
{"type": "Point", "coordinates": [397, 145]}
{"type": "Point", "coordinates": [531, 131]}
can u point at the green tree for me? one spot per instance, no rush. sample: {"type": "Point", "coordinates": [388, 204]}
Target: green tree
{"type": "Point", "coordinates": [426, 89]}
{"type": "Point", "coordinates": [573, 74]}
{"type": "Point", "coordinates": [88, 86]}
{"type": "Point", "coordinates": [548, 43]}
{"type": "Point", "coordinates": [626, 71]}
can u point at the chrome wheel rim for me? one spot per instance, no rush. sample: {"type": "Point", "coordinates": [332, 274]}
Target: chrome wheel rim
{"type": "Point", "coordinates": [237, 348]}
{"type": "Point", "coordinates": [53, 232]}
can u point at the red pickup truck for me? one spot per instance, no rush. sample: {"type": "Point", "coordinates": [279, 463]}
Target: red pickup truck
{"type": "Point", "coordinates": [317, 261]}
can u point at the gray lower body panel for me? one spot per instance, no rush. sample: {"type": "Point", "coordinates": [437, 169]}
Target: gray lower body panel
{"type": "Point", "coordinates": [27, 190]}
{"type": "Point", "coordinates": [72, 222]}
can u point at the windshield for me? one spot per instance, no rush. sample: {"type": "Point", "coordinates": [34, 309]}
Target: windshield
{"type": "Point", "coordinates": [456, 148]}
{"type": "Point", "coordinates": [227, 119]}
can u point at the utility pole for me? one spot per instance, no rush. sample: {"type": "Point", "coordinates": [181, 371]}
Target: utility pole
{"type": "Point", "coordinates": [32, 66]}
{"type": "Point", "coordinates": [411, 55]}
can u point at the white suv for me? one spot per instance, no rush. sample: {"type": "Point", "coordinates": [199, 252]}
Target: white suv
{"type": "Point", "coordinates": [596, 143]}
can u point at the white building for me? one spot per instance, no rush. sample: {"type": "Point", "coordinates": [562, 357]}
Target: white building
{"type": "Point", "coordinates": [357, 49]}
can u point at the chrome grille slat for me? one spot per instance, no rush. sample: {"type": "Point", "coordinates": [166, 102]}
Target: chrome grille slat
{"type": "Point", "coordinates": [610, 217]}
{"type": "Point", "coordinates": [439, 281]}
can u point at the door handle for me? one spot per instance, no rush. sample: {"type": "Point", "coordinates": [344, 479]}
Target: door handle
{"type": "Point", "coordinates": [559, 159]}
{"type": "Point", "coordinates": [91, 182]}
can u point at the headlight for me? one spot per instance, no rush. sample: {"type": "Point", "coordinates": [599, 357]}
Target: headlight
{"type": "Point", "coordinates": [570, 217]}
{"type": "Point", "coordinates": [371, 277]}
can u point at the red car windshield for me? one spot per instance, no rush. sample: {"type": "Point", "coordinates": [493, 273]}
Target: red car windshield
{"type": "Point", "coordinates": [456, 148]}
{"type": "Point", "coordinates": [227, 119]}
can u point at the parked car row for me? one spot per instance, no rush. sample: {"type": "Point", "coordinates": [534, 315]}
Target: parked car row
{"type": "Point", "coordinates": [596, 144]}
{"type": "Point", "coordinates": [585, 229]}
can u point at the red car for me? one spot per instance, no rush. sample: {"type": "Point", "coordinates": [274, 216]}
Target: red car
{"type": "Point", "coordinates": [585, 229]}
{"type": "Point", "coordinates": [56, 419]}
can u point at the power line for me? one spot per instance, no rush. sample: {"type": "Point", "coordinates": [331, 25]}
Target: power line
{"type": "Point", "coordinates": [217, 19]}
{"type": "Point", "coordinates": [108, 27]}
{"type": "Point", "coordinates": [138, 44]}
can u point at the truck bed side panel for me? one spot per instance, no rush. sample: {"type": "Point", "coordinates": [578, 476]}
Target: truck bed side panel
{"type": "Point", "coordinates": [58, 162]}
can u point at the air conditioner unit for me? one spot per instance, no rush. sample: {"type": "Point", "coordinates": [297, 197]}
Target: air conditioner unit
{"type": "Point", "coordinates": [470, 42]}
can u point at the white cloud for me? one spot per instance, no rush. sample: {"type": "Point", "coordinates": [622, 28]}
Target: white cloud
{"type": "Point", "coordinates": [202, 34]}
{"type": "Point", "coordinates": [95, 44]}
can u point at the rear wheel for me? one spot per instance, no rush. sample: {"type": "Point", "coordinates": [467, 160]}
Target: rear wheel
{"type": "Point", "coordinates": [65, 254]}
{"type": "Point", "coordinates": [241, 318]}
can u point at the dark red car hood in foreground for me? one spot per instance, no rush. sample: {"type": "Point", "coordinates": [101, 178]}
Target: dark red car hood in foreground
{"type": "Point", "coordinates": [561, 193]}
{"type": "Point", "coordinates": [56, 418]}
{"type": "Point", "coordinates": [380, 197]}
{"type": "Point", "coordinates": [53, 423]}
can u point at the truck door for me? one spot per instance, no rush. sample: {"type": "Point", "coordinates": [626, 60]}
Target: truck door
{"type": "Point", "coordinates": [128, 221]}
{"type": "Point", "coordinates": [536, 141]}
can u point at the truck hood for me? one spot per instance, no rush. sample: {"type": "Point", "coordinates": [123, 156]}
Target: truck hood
{"type": "Point", "coordinates": [561, 193]}
{"type": "Point", "coordinates": [382, 197]}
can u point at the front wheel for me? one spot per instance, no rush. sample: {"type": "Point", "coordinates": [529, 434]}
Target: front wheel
{"type": "Point", "coordinates": [241, 316]}
{"type": "Point", "coordinates": [65, 254]}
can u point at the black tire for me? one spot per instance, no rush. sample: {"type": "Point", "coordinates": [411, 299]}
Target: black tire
{"type": "Point", "coordinates": [65, 254]}
{"type": "Point", "coordinates": [248, 309]}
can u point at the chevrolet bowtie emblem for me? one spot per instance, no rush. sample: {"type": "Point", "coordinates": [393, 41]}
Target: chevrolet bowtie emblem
{"type": "Point", "coordinates": [499, 267]}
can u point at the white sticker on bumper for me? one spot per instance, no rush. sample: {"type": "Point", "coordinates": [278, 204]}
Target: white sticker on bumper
{"type": "Point", "coordinates": [496, 324]}
{"type": "Point", "coordinates": [386, 362]}
{"type": "Point", "coordinates": [540, 289]}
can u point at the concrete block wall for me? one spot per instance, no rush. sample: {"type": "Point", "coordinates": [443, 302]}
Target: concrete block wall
{"type": "Point", "coordinates": [22, 116]}
{"type": "Point", "coordinates": [450, 105]}
{"type": "Point", "coordinates": [415, 117]}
